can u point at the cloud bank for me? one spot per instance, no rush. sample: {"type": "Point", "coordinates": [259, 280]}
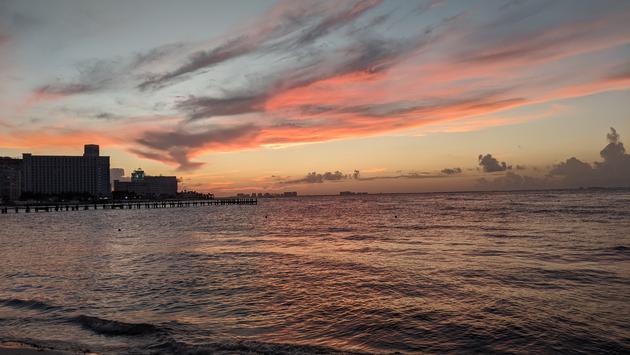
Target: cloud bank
{"type": "Point", "coordinates": [612, 171]}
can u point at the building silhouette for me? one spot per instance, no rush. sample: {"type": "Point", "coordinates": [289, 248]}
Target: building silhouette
{"type": "Point", "coordinates": [10, 179]}
{"type": "Point", "coordinates": [57, 175]}
{"type": "Point", "coordinates": [117, 174]}
{"type": "Point", "coordinates": [91, 150]}
{"type": "Point", "coordinates": [145, 186]}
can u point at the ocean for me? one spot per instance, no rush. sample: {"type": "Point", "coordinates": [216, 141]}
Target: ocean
{"type": "Point", "coordinates": [503, 272]}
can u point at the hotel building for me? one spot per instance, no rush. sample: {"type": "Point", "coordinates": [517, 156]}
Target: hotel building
{"type": "Point", "coordinates": [53, 175]}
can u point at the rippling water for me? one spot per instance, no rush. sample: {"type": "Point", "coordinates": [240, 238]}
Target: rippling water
{"type": "Point", "coordinates": [537, 272]}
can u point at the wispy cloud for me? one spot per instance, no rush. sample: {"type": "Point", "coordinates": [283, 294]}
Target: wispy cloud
{"type": "Point", "coordinates": [288, 27]}
{"type": "Point", "coordinates": [175, 146]}
{"type": "Point", "coordinates": [316, 71]}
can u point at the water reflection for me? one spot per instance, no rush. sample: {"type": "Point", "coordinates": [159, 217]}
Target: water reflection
{"type": "Point", "coordinates": [433, 273]}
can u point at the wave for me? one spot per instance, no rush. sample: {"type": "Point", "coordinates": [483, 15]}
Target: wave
{"type": "Point", "coordinates": [171, 346]}
{"type": "Point", "coordinates": [339, 229]}
{"type": "Point", "coordinates": [113, 327]}
{"type": "Point", "coordinates": [358, 237]}
{"type": "Point", "coordinates": [27, 304]}
{"type": "Point", "coordinates": [242, 347]}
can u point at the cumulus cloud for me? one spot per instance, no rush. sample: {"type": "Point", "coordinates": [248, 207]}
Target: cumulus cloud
{"type": "Point", "coordinates": [490, 164]}
{"type": "Point", "coordinates": [573, 167]}
{"type": "Point", "coordinates": [317, 178]}
{"type": "Point", "coordinates": [613, 171]}
{"type": "Point", "coordinates": [614, 150]}
{"type": "Point", "coordinates": [451, 171]}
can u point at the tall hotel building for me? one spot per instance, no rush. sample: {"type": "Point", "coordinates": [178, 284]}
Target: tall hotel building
{"type": "Point", "coordinates": [10, 179]}
{"type": "Point", "coordinates": [52, 174]}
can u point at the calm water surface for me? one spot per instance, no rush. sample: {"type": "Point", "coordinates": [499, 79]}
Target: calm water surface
{"type": "Point", "coordinates": [538, 272]}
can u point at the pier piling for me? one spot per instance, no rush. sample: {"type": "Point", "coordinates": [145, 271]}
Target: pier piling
{"type": "Point", "coordinates": [126, 205]}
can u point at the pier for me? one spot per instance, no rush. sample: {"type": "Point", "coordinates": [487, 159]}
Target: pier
{"type": "Point", "coordinates": [124, 205]}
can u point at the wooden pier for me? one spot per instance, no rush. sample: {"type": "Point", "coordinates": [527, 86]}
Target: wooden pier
{"type": "Point", "coordinates": [123, 205]}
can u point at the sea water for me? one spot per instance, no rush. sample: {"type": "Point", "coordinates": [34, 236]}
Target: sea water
{"type": "Point", "coordinates": [513, 272]}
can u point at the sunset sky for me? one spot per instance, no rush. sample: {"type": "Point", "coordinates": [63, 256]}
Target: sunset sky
{"type": "Point", "coordinates": [325, 96]}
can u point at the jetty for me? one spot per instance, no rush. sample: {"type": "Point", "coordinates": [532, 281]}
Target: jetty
{"type": "Point", "coordinates": [123, 205]}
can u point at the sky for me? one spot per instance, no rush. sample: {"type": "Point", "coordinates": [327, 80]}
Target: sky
{"type": "Point", "coordinates": [325, 96]}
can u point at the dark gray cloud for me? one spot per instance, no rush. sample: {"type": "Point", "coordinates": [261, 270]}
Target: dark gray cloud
{"type": "Point", "coordinates": [335, 21]}
{"type": "Point", "coordinates": [482, 99]}
{"type": "Point", "coordinates": [451, 171]}
{"type": "Point", "coordinates": [513, 181]}
{"type": "Point", "coordinates": [14, 21]}
{"type": "Point", "coordinates": [613, 171]}
{"type": "Point", "coordinates": [371, 56]}
{"type": "Point", "coordinates": [62, 89]}
{"type": "Point", "coordinates": [300, 26]}
{"type": "Point", "coordinates": [107, 116]}
{"type": "Point", "coordinates": [153, 55]}
{"type": "Point", "coordinates": [200, 107]}
{"type": "Point", "coordinates": [490, 164]}
{"type": "Point", "coordinates": [177, 146]}
{"type": "Point", "coordinates": [572, 167]}
{"type": "Point", "coordinates": [613, 137]}
{"type": "Point", "coordinates": [512, 38]}
{"type": "Point", "coordinates": [202, 59]}
{"type": "Point", "coordinates": [614, 150]}
{"type": "Point", "coordinates": [365, 54]}
{"type": "Point", "coordinates": [619, 72]}
{"type": "Point", "coordinates": [317, 178]}
{"type": "Point", "coordinates": [95, 75]}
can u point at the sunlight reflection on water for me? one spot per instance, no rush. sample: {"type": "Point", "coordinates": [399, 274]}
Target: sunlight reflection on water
{"type": "Point", "coordinates": [518, 272]}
